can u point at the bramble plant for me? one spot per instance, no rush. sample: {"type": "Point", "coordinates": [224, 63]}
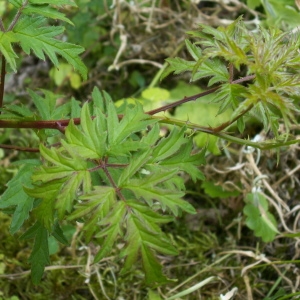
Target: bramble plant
{"type": "Point", "coordinates": [109, 168]}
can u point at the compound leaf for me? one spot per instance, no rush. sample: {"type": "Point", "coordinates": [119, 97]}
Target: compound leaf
{"type": "Point", "coordinates": [16, 196]}
{"type": "Point", "coordinates": [39, 257]}
{"type": "Point", "coordinates": [187, 162]}
{"type": "Point", "coordinates": [141, 240]}
{"type": "Point", "coordinates": [90, 141]}
{"type": "Point", "coordinates": [178, 66]}
{"type": "Point", "coordinates": [169, 145]}
{"type": "Point", "coordinates": [167, 198]}
{"type": "Point", "coordinates": [32, 35]}
{"type": "Point", "coordinates": [136, 162]}
{"type": "Point", "coordinates": [6, 40]}
{"type": "Point", "coordinates": [44, 212]}
{"type": "Point", "coordinates": [59, 235]}
{"type": "Point", "coordinates": [113, 223]}
{"type": "Point", "coordinates": [259, 219]}
{"type": "Point", "coordinates": [97, 203]}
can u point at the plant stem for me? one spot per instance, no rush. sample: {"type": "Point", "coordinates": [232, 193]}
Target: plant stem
{"type": "Point", "coordinates": [195, 97]}
{"type": "Point", "coordinates": [17, 16]}
{"type": "Point", "coordinates": [2, 79]}
{"type": "Point", "coordinates": [59, 124]}
{"type": "Point", "coordinates": [111, 180]}
{"type": "Point", "coordinates": [27, 149]}
{"type": "Point", "coordinates": [226, 124]}
{"type": "Point", "coordinates": [2, 25]}
{"type": "Point", "coordinates": [50, 124]}
{"type": "Point", "coordinates": [263, 146]}
{"type": "Point", "coordinates": [179, 102]}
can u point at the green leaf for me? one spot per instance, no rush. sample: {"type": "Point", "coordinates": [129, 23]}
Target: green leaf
{"type": "Point", "coordinates": [194, 50]}
{"type": "Point", "coordinates": [32, 35]}
{"type": "Point", "coordinates": [281, 11]}
{"type": "Point", "coordinates": [16, 112]}
{"type": "Point", "coordinates": [156, 94]}
{"type": "Point", "coordinates": [148, 216]}
{"type": "Point", "coordinates": [31, 232]}
{"type": "Point", "coordinates": [39, 257]}
{"type": "Point", "coordinates": [253, 3]}
{"type": "Point", "coordinates": [46, 106]}
{"type": "Point", "coordinates": [140, 239]}
{"type": "Point", "coordinates": [153, 296]}
{"type": "Point", "coordinates": [134, 120]}
{"type": "Point", "coordinates": [113, 222]}
{"type": "Point", "coordinates": [54, 2]}
{"type": "Point", "coordinates": [149, 191]}
{"type": "Point", "coordinates": [58, 184]}
{"type": "Point", "coordinates": [6, 40]}
{"type": "Point", "coordinates": [90, 142]}
{"type": "Point", "coordinates": [152, 136]}
{"type": "Point", "coordinates": [136, 162]}
{"type": "Point", "coordinates": [75, 108]}
{"type": "Point", "coordinates": [259, 219]}
{"type": "Point", "coordinates": [186, 162]}
{"type": "Point", "coordinates": [152, 268]}
{"type": "Point", "coordinates": [44, 212]}
{"type": "Point", "coordinates": [169, 145]}
{"type": "Point", "coordinates": [97, 203]}
{"type": "Point", "coordinates": [98, 99]}
{"type": "Point", "coordinates": [46, 11]}
{"type": "Point", "coordinates": [178, 66]}
{"type": "Point", "coordinates": [217, 191]}
{"type": "Point", "coordinates": [68, 193]}
{"type": "Point", "coordinates": [19, 3]}
{"type": "Point", "coordinates": [94, 207]}
{"type": "Point", "coordinates": [16, 196]}
{"type": "Point", "coordinates": [112, 121]}
{"type": "Point", "coordinates": [59, 235]}
{"type": "Point", "coordinates": [63, 165]}
{"type": "Point", "coordinates": [211, 68]}
{"type": "Point", "coordinates": [230, 96]}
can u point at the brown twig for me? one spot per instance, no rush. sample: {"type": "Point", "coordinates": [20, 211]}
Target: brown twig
{"type": "Point", "coordinates": [12, 147]}
{"type": "Point", "coordinates": [61, 124]}
{"type": "Point", "coordinates": [195, 97]}
{"type": "Point", "coordinates": [184, 100]}
{"type": "Point", "coordinates": [2, 28]}
{"type": "Point", "coordinates": [231, 73]}
{"type": "Point", "coordinates": [17, 16]}
{"type": "Point", "coordinates": [2, 79]}
{"type": "Point", "coordinates": [111, 180]}
{"type": "Point", "coordinates": [226, 124]}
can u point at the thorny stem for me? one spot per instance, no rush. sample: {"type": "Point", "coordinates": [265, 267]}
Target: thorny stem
{"type": "Point", "coordinates": [184, 100]}
{"type": "Point", "coordinates": [60, 124]}
{"type": "Point", "coordinates": [2, 25]}
{"type": "Point", "coordinates": [111, 180]}
{"type": "Point", "coordinates": [17, 16]}
{"type": "Point", "coordinates": [2, 79]}
{"type": "Point", "coordinates": [225, 136]}
{"type": "Point", "coordinates": [231, 72]}
{"type": "Point", "coordinates": [195, 97]}
{"type": "Point", "coordinates": [107, 165]}
{"type": "Point", "coordinates": [26, 149]}
{"type": "Point", "coordinates": [226, 124]}
{"type": "Point", "coordinates": [55, 124]}
{"type": "Point", "coordinates": [3, 60]}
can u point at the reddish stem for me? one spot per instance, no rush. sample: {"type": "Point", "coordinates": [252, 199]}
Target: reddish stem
{"type": "Point", "coordinates": [2, 79]}
{"type": "Point", "coordinates": [195, 97]}
{"type": "Point", "coordinates": [12, 147]}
